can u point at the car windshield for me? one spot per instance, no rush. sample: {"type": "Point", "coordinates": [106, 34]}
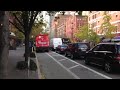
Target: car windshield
{"type": "Point", "coordinates": [64, 46]}
{"type": "Point", "coordinates": [82, 45]}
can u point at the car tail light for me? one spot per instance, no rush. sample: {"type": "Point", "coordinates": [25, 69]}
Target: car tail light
{"type": "Point", "coordinates": [118, 57]}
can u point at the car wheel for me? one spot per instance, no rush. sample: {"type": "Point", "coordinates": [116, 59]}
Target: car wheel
{"type": "Point", "coordinates": [47, 50]}
{"type": "Point", "coordinates": [108, 67]}
{"type": "Point", "coordinates": [66, 54]}
{"type": "Point", "coordinates": [56, 51]}
{"type": "Point", "coordinates": [59, 52]}
{"type": "Point", "coordinates": [86, 61]}
{"type": "Point", "coordinates": [72, 56]}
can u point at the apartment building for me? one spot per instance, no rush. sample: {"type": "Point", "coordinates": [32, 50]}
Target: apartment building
{"type": "Point", "coordinates": [95, 19]}
{"type": "Point", "coordinates": [59, 25]}
{"type": "Point", "coordinates": [65, 26]}
{"type": "Point", "coordinates": [73, 23]}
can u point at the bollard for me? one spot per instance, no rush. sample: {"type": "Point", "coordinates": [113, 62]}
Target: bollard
{"type": "Point", "coordinates": [32, 49]}
{"type": "Point", "coordinates": [28, 66]}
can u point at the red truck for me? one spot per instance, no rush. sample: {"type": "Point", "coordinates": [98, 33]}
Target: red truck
{"type": "Point", "coordinates": [42, 42]}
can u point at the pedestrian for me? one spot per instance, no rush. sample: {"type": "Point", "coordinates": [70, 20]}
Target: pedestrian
{"type": "Point", "coordinates": [30, 46]}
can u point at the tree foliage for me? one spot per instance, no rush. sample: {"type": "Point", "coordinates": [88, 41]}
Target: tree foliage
{"type": "Point", "coordinates": [107, 28]}
{"type": "Point", "coordinates": [37, 29]}
{"type": "Point", "coordinates": [84, 33]}
{"type": "Point", "coordinates": [19, 35]}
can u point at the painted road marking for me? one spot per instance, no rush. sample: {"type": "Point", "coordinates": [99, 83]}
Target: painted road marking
{"type": "Point", "coordinates": [61, 60]}
{"type": "Point", "coordinates": [39, 75]}
{"type": "Point", "coordinates": [75, 76]}
{"type": "Point", "coordinates": [73, 66]}
{"type": "Point", "coordinates": [55, 55]}
{"type": "Point", "coordinates": [87, 68]}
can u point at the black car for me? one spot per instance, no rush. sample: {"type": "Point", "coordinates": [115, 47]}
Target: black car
{"type": "Point", "coordinates": [61, 48]}
{"type": "Point", "coordinates": [76, 50]}
{"type": "Point", "coordinates": [106, 55]}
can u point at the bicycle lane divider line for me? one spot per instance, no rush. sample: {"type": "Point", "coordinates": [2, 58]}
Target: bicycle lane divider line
{"type": "Point", "coordinates": [87, 68]}
{"type": "Point", "coordinates": [75, 76]}
{"type": "Point", "coordinates": [61, 60]}
{"type": "Point", "coordinates": [73, 66]}
{"type": "Point", "coordinates": [39, 74]}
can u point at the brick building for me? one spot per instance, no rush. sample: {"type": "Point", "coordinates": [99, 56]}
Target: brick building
{"type": "Point", "coordinates": [95, 19]}
{"type": "Point", "coordinates": [66, 25]}
{"type": "Point", "coordinates": [73, 23]}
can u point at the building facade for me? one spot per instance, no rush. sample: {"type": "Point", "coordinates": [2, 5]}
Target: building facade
{"type": "Point", "coordinates": [95, 19]}
{"type": "Point", "coordinates": [74, 22]}
{"type": "Point", "coordinates": [61, 25]}
{"type": "Point", "coordinates": [65, 26]}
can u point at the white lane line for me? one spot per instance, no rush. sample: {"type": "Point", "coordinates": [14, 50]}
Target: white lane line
{"type": "Point", "coordinates": [55, 55]}
{"type": "Point", "coordinates": [87, 68]}
{"type": "Point", "coordinates": [39, 74]}
{"type": "Point", "coordinates": [61, 60]}
{"type": "Point", "coordinates": [75, 76]}
{"type": "Point", "coordinates": [73, 66]}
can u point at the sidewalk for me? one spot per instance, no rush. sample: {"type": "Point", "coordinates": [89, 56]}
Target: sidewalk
{"type": "Point", "coordinates": [13, 72]}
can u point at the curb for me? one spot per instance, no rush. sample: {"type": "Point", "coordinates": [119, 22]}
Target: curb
{"type": "Point", "coordinates": [39, 70]}
{"type": "Point", "coordinates": [40, 73]}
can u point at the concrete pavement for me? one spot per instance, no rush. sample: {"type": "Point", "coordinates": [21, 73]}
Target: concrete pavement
{"type": "Point", "coordinates": [13, 72]}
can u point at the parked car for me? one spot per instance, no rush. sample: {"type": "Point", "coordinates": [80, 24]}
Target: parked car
{"type": "Point", "coordinates": [106, 55]}
{"type": "Point", "coordinates": [61, 48]}
{"type": "Point", "coordinates": [75, 50]}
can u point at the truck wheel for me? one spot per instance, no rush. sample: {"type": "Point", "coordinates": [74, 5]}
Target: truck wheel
{"type": "Point", "coordinates": [47, 50]}
{"type": "Point", "coordinates": [72, 56]}
{"type": "Point", "coordinates": [37, 50]}
{"type": "Point", "coordinates": [65, 54]}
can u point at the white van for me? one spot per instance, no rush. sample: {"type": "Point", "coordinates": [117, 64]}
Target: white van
{"type": "Point", "coordinates": [54, 42]}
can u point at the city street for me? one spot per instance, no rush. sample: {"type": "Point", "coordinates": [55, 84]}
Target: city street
{"type": "Point", "coordinates": [57, 66]}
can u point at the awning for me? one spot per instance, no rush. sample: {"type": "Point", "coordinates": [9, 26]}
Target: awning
{"type": "Point", "coordinates": [117, 37]}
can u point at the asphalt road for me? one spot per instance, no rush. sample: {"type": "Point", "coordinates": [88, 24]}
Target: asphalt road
{"type": "Point", "coordinates": [57, 66]}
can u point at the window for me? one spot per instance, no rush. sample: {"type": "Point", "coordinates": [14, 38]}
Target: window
{"type": "Point", "coordinates": [99, 48]}
{"type": "Point", "coordinates": [96, 48]}
{"type": "Point", "coordinates": [95, 16]}
{"type": "Point", "coordinates": [110, 48]}
{"type": "Point", "coordinates": [83, 46]}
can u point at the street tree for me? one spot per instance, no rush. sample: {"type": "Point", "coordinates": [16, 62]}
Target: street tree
{"type": "Point", "coordinates": [85, 33]}
{"type": "Point", "coordinates": [107, 28]}
{"type": "Point", "coordinates": [24, 22]}
{"type": "Point", "coordinates": [4, 43]}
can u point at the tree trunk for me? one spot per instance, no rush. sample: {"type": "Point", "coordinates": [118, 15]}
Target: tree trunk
{"type": "Point", "coordinates": [4, 43]}
{"type": "Point", "coordinates": [26, 46]}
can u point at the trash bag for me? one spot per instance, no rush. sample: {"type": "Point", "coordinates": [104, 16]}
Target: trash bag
{"type": "Point", "coordinates": [33, 65]}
